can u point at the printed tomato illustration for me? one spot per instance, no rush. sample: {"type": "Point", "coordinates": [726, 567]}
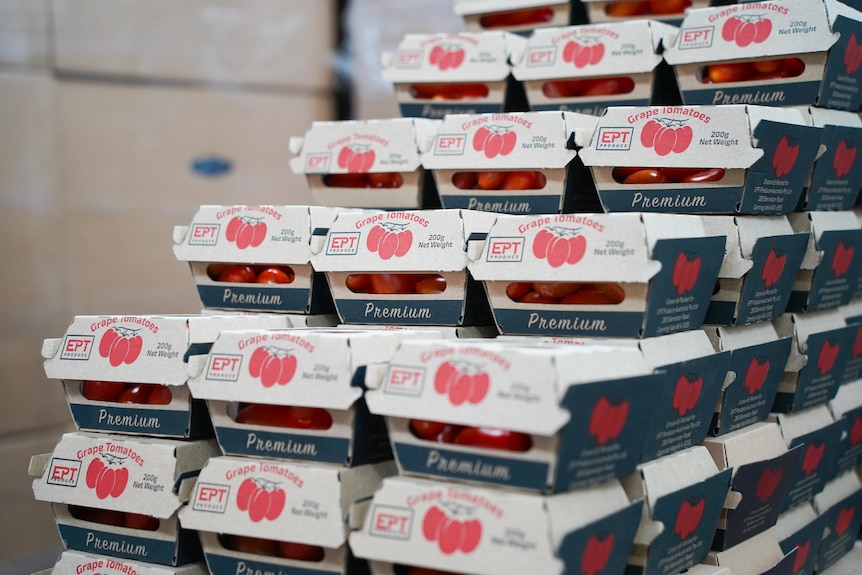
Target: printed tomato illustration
{"type": "Point", "coordinates": [784, 157]}
{"type": "Point", "coordinates": [857, 343]}
{"type": "Point", "coordinates": [768, 484]}
{"type": "Point", "coordinates": [812, 457]}
{"type": "Point", "coordinates": [446, 56]}
{"type": "Point", "coordinates": [688, 518]}
{"type": "Point", "coordinates": [107, 477]}
{"type": "Point", "coordinates": [272, 365]}
{"type": "Point", "coordinates": [461, 381]}
{"type": "Point", "coordinates": [842, 161]}
{"type": "Point", "coordinates": [852, 55]}
{"type": "Point", "coordinates": [559, 245]}
{"type": "Point", "coordinates": [607, 420]}
{"type": "Point", "coordinates": [666, 135]}
{"type": "Point", "coordinates": [596, 554]}
{"type": "Point", "coordinates": [755, 375]}
{"type": "Point", "coordinates": [828, 356]}
{"type": "Point", "coordinates": [245, 231]}
{"type": "Point", "coordinates": [842, 259]}
{"type": "Point", "coordinates": [389, 239]}
{"type": "Point", "coordinates": [451, 533]}
{"type": "Point", "coordinates": [494, 141]}
{"type": "Point", "coordinates": [590, 52]}
{"type": "Point", "coordinates": [685, 273]}
{"type": "Point", "coordinates": [746, 30]}
{"type": "Point", "coordinates": [802, 550]}
{"type": "Point", "coordinates": [120, 345]}
{"type": "Point", "coordinates": [845, 518]}
{"type": "Point", "coordinates": [773, 267]}
{"type": "Point", "coordinates": [686, 394]}
{"type": "Point", "coordinates": [263, 499]}
{"type": "Point", "coordinates": [856, 432]}
{"type": "Point", "coordinates": [356, 158]}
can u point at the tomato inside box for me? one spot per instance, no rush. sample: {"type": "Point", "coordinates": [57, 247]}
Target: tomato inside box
{"type": "Point", "coordinates": [611, 275]}
{"type": "Point", "coordinates": [670, 11]}
{"type": "Point", "coordinates": [513, 414]}
{"type": "Point", "coordinates": [255, 258]}
{"type": "Point", "coordinates": [701, 159]}
{"type": "Point", "coordinates": [769, 53]}
{"type": "Point", "coordinates": [519, 16]}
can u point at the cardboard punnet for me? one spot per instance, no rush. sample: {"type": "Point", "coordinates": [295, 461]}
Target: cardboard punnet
{"type": "Point", "coordinates": [589, 67]}
{"type": "Point", "coordinates": [519, 16]}
{"type": "Point", "coordinates": [278, 500]}
{"type": "Point", "coordinates": [830, 269]}
{"type": "Point", "coordinates": [821, 346]}
{"type": "Point", "coordinates": [837, 174]}
{"type": "Point", "coordinates": [791, 30]}
{"type": "Point", "coordinates": [431, 243]}
{"type": "Point", "coordinates": [615, 11]}
{"type": "Point", "coordinates": [758, 356]}
{"type": "Point", "coordinates": [487, 531]}
{"type": "Point", "coordinates": [820, 435]}
{"type": "Point", "coordinates": [79, 563]}
{"type": "Point", "coordinates": [800, 529]}
{"type": "Point", "coordinates": [139, 349]}
{"type": "Point", "coordinates": [139, 475]}
{"type": "Point", "coordinates": [457, 73]}
{"type": "Point", "coordinates": [853, 316]}
{"type": "Point", "coordinates": [322, 369]}
{"type": "Point", "coordinates": [577, 413]}
{"type": "Point", "coordinates": [841, 80]}
{"type": "Point", "coordinates": [762, 258]}
{"type": "Point", "coordinates": [468, 146]}
{"type": "Point", "coordinates": [656, 272]}
{"type": "Point", "coordinates": [846, 408]}
{"type": "Point", "coordinates": [683, 495]}
{"type": "Point", "coordinates": [365, 163]}
{"type": "Point", "coordinates": [840, 507]}
{"type": "Point", "coordinates": [762, 466]}
{"type": "Point", "coordinates": [701, 159]}
{"type": "Point", "coordinates": [758, 555]}
{"type": "Point", "coordinates": [261, 235]}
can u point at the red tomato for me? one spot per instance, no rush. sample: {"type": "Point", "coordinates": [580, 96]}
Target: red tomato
{"type": "Point", "coordinates": [535, 297]}
{"type": "Point", "coordinates": [622, 172]}
{"type": "Point", "coordinates": [424, 429]}
{"type": "Point", "coordinates": [276, 275]}
{"type": "Point", "coordinates": [608, 87]}
{"type": "Point", "coordinates": [464, 180]}
{"type": "Point", "coordinates": [393, 283]}
{"type": "Point", "coordinates": [707, 175]}
{"type": "Point", "coordinates": [792, 68]}
{"type": "Point", "coordinates": [300, 551]}
{"type": "Point", "coordinates": [449, 91]}
{"type": "Point", "coordinates": [595, 294]}
{"type": "Point", "coordinates": [385, 180]}
{"type": "Point", "coordinates": [624, 9]}
{"type": "Point", "coordinates": [253, 545]}
{"type": "Point", "coordinates": [101, 516]}
{"type": "Point", "coordinates": [137, 393]}
{"type": "Point", "coordinates": [555, 290]}
{"type": "Point", "coordinates": [160, 395]}
{"type": "Point", "coordinates": [525, 181]}
{"type": "Point", "coordinates": [284, 416]}
{"type": "Point", "coordinates": [215, 270]}
{"type": "Point", "coordinates": [239, 273]}
{"type": "Point", "coordinates": [647, 176]}
{"type": "Point", "coordinates": [310, 417]}
{"type": "Point", "coordinates": [142, 522]}
{"type": "Point", "coordinates": [513, 18]}
{"type": "Point", "coordinates": [517, 290]}
{"type": "Point", "coordinates": [768, 66]}
{"type": "Point", "coordinates": [358, 283]}
{"type": "Point", "coordinates": [565, 88]}
{"type": "Point", "coordinates": [723, 73]}
{"type": "Point", "coordinates": [359, 180]}
{"type": "Point", "coordinates": [431, 285]}
{"type": "Point", "coordinates": [102, 390]}
{"type": "Point", "coordinates": [491, 438]}
{"type": "Point", "coordinates": [663, 7]}
{"type": "Point", "coordinates": [491, 180]}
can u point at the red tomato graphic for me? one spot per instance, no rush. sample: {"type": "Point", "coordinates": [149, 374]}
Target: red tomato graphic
{"type": "Point", "coordinates": [857, 344]}
{"type": "Point", "coordinates": [450, 533]}
{"type": "Point", "coordinates": [784, 157]}
{"type": "Point", "coordinates": [852, 55]}
{"type": "Point", "coordinates": [755, 375]}
{"type": "Point", "coordinates": [446, 56]}
{"type": "Point", "coordinates": [746, 30]}
{"type": "Point", "coordinates": [842, 259]}
{"type": "Point", "coordinates": [686, 394]}
{"type": "Point", "coordinates": [812, 457]}
{"type": "Point", "coordinates": [607, 420]}
{"type": "Point", "coordinates": [845, 518]}
{"type": "Point", "coordinates": [559, 245]}
{"type": "Point", "coordinates": [272, 365]}
{"type": "Point", "coordinates": [389, 239]}
{"type": "Point", "coordinates": [263, 499]}
{"type": "Point", "coordinates": [582, 55]}
{"type": "Point", "coordinates": [773, 267]}
{"type": "Point", "coordinates": [666, 135]}
{"type": "Point", "coordinates": [461, 381]}
{"type": "Point", "coordinates": [768, 484]}
{"type": "Point", "coordinates": [802, 550]}
{"type": "Point", "coordinates": [688, 518]}
{"type": "Point", "coordinates": [107, 480]}
{"type": "Point", "coordinates": [845, 156]}
{"type": "Point", "coordinates": [246, 231]}
{"type": "Point", "coordinates": [596, 554]}
{"type": "Point", "coordinates": [856, 432]}
{"type": "Point", "coordinates": [828, 356]}
{"type": "Point", "coordinates": [685, 273]}
{"type": "Point", "coordinates": [356, 158]}
{"type": "Point", "coordinates": [120, 345]}
{"type": "Point", "coordinates": [494, 141]}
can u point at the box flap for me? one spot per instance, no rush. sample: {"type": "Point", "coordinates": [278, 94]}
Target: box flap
{"type": "Point", "coordinates": [580, 507]}
{"type": "Point", "coordinates": [676, 471]}
{"type": "Point", "coordinates": [848, 398]}
{"type": "Point", "coordinates": [736, 337]}
{"type": "Point", "coordinates": [754, 556]}
{"type": "Point", "coordinates": [802, 423]}
{"type": "Point", "coordinates": [757, 442]}
{"type": "Point", "coordinates": [825, 117]}
{"type": "Point", "coordinates": [836, 491]}
{"type": "Point", "coordinates": [675, 348]}
{"type": "Point", "coordinates": [794, 519]}
{"type": "Point", "coordinates": [751, 31]}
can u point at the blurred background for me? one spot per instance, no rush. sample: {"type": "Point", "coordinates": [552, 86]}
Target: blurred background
{"type": "Point", "coordinates": [118, 118]}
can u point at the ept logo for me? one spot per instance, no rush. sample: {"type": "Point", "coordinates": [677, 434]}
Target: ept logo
{"type": "Point", "coordinates": [392, 522]}
{"type": "Point", "coordinates": [505, 249]}
{"type": "Point", "coordinates": [204, 234]}
{"type": "Point", "coordinates": [211, 497]}
{"type": "Point", "coordinates": [696, 38]}
{"type": "Point", "coordinates": [224, 367]}
{"type": "Point", "coordinates": [614, 138]}
{"type": "Point", "coordinates": [77, 347]}
{"type": "Point", "coordinates": [404, 381]}
{"type": "Point", "coordinates": [450, 144]}
{"type": "Point", "coordinates": [342, 244]}
{"type": "Point", "coordinates": [64, 472]}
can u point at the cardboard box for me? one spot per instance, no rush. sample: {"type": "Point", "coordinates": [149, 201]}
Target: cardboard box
{"type": "Point", "coordinates": [138, 350]}
{"type": "Point", "coordinates": [840, 507]}
{"type": "Point", "coordinates": [820, 436]}
{"type": "Point", "coordinates": [323, 369]}
{"type": "Point", "coordinates": [580, 423]}
{"type": "Point", "coordinates": [143, 475]}
{"type": "Point", "coordinates": [208, 41]}
{"type": "Point", "coordinates": [847, 408]}
{"type": "Point", "coordinates": [414, 522]}
{"type": "Point", "coordinates": [267, 236]}
{"type": "Point", "coordinates": [794, 30]}
{"type": "Point", "coordinates": [656, 272]}
{"type": "Point", "coordinates": [587, 68]}
{"type": "Point", "coordinates": [762, 259]}
{"type": "Point", "coordinates": [837, 174]}
{"type": "Point", "coordinates": [366, 163]}
{"type": "Point", "coordinates": [435, 75]}
{"type": "Point", "coordinates": [613, 10]}
{"type": "Point", "coordinates": [840, 89]}
{"type": "Point", "coordinates": [362, 246]}
{"type": "Point", "coordinates": [701, 159]}
{"type": "Point", "coordinates": [830, 269]}
{"type": "Point", "coordinates": [815, 368]}
{"type": "Point", "coordinates": [521, 16]}
{"type": "Point", "coordinates": [683, 496]}
{"type": "Point", "coordinates": [78, 563]}
{"type": "Point", "coordinates": [853, 316]}
{"type": "Point", "coordinates": [539, 143]}
{"type": "Point", "coordinates": [757, 555]}
{"type": "Point", "coordinates": [758, 356]}
{"type": "Point", "coordinates": [278, 500]}
{"type": "Point", "coordinates": [762, 467]}
{"type": "Point", "coordinates": [800, 529]}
